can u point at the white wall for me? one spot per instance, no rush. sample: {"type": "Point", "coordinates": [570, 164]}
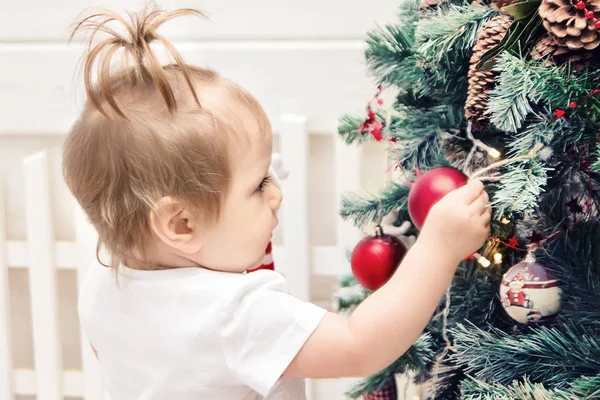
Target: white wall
{"type": "Point", "coordinates": [295, 57]}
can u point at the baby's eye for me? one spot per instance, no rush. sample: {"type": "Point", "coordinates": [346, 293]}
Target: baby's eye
{"type": "Point", "coordinates": [266, 181]}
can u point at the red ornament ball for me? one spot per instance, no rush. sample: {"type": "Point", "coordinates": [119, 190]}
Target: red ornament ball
{"type": "Point", "coordinates": [580, 5]}
{"type": "Point", "coordinates": [375, 258]}
{"type": "Point", "coordinates": [589, 14]}
{"type": "Point", "coordinates": [597, 24]}
{"type": "Point", "coordinates": [430, 188]}
{"type": "Point", "coordinates": [529, 293]}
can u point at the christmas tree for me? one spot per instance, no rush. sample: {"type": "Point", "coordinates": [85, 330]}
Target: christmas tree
{"type": "Point", "coordinates": [507, 92]}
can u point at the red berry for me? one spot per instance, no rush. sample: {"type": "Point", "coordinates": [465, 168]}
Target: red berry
{"type": "Point", "coordinates": [573, 104]}
{"type": "Point", "coordinates": [589, 14]}
{"type": "Point", "coordinates": [558, 113]}
{"type": "Point", "coordinates": [597, 24]}
{"type": "Point", "coordinates": [580, 5]}
{"type": "Point", "coordinates": [596, 91]}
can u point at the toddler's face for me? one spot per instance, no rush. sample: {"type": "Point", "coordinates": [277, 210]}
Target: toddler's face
{"type": "Point", "coordinates": [248, 216]}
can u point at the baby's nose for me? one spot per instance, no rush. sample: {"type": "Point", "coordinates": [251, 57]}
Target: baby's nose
{"type": "Point", "coordinates": [275, 198]}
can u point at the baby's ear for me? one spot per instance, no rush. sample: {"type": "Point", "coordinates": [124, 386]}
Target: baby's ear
{"type": "Point", "coordinates": [173, 224]}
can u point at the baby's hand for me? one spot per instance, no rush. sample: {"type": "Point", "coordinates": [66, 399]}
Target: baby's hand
{"type": "Point", "coordinates": [460, 222]}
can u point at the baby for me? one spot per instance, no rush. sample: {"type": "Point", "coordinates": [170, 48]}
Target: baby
{"type": "Point", "coordinates": [170, 163]}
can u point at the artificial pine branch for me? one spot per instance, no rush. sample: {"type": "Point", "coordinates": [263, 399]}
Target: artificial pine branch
{"type": "Point", "coordinates": [453, 31]}
{"type": "Point", "coordinates": [418, 135]}
{"type": "Point", "coordinates": [596, 165]}
{"type": "Point", "coordinates": [444, 47]}
{"type": "Point", "coordinates": [390, 52]}
{"type": "Point", "coordinates": [547, 355]}
{"type": "Point", "coordinates": [473, 292]}
{"type": "Point", "coordinates": [586, 387]}
{"type": "Point", "coordinates": [574, 260]}
{"type": "Point", "coordinates": [365, 208]}
{"type": "Point", "coordinates": [520, 188]}
{"type": "Point", "coordinates": [540, 130]}
{"type": "Point", "coordinates": [523, 83]}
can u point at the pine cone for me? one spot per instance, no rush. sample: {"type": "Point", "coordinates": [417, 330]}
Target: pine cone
{"type": "Point", "coordinates": [496, 4]}
{"type": "Point", "coordinates": [568, 24]}
{"type": "Point", "coordinates": [481, 83]}
{"type": "Point", "coordinates": [387, 392]}
{"type": "Point", "coordinates": [554, 54]}
{"type": "Point", "coordinates": [425, 4]}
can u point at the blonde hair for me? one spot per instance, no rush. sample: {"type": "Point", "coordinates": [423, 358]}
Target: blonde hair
{"type": "Point", "coordinates": [149, 131]}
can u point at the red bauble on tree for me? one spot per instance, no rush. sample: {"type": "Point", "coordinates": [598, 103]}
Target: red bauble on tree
{"type": "Point", "coordinates": [375, 258]}
{"type": "Point", "coordinates": [430, 188]}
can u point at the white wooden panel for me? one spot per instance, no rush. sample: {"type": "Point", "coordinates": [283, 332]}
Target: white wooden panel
{"type": "Point", "coordinates": [86, 255]}
{"type": "Point", "coordinates": [25, 383]}
{"type": "Point", "coordinates": [42, 278]}
{"type": "Point", "coordinates": [6, 352]}
{"type": "Point", "coordinates": [65, 255]}
{"type": "Point", "coordinates": [229, 19]}
{"type": "Point", "coordinates": [321, 80]}
{"type": "Point", "coordinates": [294, 146]}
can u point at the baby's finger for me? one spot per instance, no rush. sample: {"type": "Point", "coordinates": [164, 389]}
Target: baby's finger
{"type": "Point", "coordinates": [487, 214]}
{"type": "Point", "coordinates": [486, 196]}
{"type": "Point", "coordinates": [472, 191]}
{"type": "Point", "coordinates": [483, 219]}
{"type": "Point", "coordinates": [479, 206]}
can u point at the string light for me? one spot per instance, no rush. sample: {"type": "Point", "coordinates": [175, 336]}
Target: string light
{"type": "Point", "coordinates": [493, 152]}
{"type": "Point", "coordinates": [505, 220]}
{"type": "Point", "coordinates": [498, 258]}
{"type": "Point", "coordinates": [484, 262]}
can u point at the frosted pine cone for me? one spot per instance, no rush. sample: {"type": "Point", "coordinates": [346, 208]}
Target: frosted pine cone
{"type": "Point", "coordinates": [570, 25]}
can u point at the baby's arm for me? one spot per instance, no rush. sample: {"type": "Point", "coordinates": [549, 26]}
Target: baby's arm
{"type": "Point", "coordinates": [386, 324]}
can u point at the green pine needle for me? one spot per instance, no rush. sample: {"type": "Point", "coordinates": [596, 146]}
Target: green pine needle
{"type": "Point", "coordinates": [390, 49]}
{"type": "Point", "coordinates": [550, 355]}
{"type": "Point", "coordinates": [454, 30]}
{"type": "Point", "coordinates": [365, 208]}
{"type": "Point", "coordinates": [523, 83]}
{"type": "Point", "coordinates": [522, 184]}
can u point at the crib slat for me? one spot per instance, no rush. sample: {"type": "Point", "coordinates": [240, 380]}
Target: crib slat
{"type": "Point", "coordinates": [6, 365]}
{"type": "Point", "coordinates": [347, 177]}
{"type": "Point", "coordinates": [294, 149]}
{"type": "Point", "coordinates": [43, 278]}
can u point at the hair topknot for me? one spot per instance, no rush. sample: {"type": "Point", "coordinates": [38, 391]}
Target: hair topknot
{"type": "Point", "coordinates": [141, 29]}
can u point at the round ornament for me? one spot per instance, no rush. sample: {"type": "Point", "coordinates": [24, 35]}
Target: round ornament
{"type": "Point", "coordinates": [375, 258]}
{"type": "Point", "coordinates": [430, 188]}
{"type": "Point", "coordinates": [529, 293]}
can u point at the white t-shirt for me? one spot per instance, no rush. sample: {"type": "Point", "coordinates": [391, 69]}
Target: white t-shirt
{"type": "Point", "coordinates": [195, 334]}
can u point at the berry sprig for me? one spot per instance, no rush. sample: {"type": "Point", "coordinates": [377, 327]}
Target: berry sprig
{"type": "Point", "coordinates": [560, 113]}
